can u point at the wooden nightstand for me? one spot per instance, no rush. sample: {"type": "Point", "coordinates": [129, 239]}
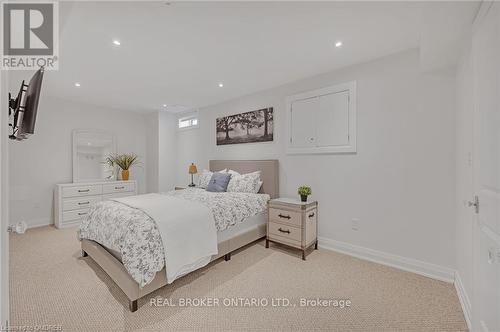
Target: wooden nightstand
{"type": "Point", "coordinates": [293, 223]}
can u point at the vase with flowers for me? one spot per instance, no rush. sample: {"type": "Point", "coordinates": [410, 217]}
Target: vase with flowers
{"type": "Point", "coordinates": [124, 161]}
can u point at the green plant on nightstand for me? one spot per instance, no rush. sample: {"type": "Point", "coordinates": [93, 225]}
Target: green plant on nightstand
{"type": "Point", "coordinates": [304, 191]}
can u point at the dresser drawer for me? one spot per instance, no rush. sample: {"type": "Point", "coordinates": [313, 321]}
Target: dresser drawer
{"type": "Point", "coordinates": [118, 187]}
{"type": "Point", "coordinates": [284, 216]}
{"type": "Point", "coordinates": [117, 195]}
{"type": "Point", "coordinates": [75, 215]}
{"type": "Point", "coordinates": [82, 190]}
{"type": "Point", "coordinates": [287, 232]}
{"type": "Point", "coordinates": [79, 203]}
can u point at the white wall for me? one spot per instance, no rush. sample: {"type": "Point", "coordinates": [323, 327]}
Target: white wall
{"type": "Point", "coordinates": [167, 145]}
{"type": "Point", "coordinates": [161, 151]}
{"type": "Point", "coordinates": [45, 159]}
{"type": "Point", "coordinates": [401, 182]}
{"type": "Point", "coordinates": [152, 149]}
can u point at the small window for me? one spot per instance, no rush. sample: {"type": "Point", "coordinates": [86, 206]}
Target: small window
{"type": "Point", "coordinates": [188, 122]}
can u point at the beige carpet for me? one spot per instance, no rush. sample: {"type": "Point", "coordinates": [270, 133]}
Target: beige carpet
{"type": "Point", "coordinates": [51, 284]}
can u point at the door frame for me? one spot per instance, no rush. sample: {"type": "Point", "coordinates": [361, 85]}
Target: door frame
{"type": "Point", "coordinates": [476, 323]}
{"type": "Point", "coordinates": [4, 202]}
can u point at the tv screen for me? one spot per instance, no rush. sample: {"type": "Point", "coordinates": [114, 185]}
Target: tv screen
{"type": "Point", "coordinates": [27, 125]}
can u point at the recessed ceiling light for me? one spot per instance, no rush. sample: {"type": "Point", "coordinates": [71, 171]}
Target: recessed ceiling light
{"type": "Point", "coordinates": [116, 42]}
{"type": "Point", "coordinates": [164, 105]}
{"type": "Point", "coordinates": [338, 44]}
{"type": "Point", "coordinates": [77, 84]}
{"type": "Point", "coordinates": [221, 85]}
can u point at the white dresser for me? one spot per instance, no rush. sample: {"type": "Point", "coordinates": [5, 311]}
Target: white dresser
{"type": "Point", "coordinates": [72, 200]}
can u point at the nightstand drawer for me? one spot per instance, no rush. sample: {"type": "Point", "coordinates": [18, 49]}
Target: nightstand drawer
{"type": "Point", "coordinates": [284, 216]}
{"type": "Point", "coordinates": [287, 232]}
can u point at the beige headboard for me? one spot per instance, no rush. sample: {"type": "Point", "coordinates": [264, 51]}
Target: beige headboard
{"type": "Point", "coordinates": [269, 172]}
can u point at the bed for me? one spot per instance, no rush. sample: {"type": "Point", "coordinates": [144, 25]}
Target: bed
{"type": "Point", "coordinates": [232, 235]}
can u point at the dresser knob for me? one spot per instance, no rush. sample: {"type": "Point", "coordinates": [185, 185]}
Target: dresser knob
{"type": "Point", "coordinates": [282, 216]}
{"type": "Point", "coordinates": [283, 231]}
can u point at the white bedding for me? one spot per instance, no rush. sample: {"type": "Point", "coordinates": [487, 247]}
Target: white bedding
{"type": "Point", "coordinates": [187, 229]}
{"type": "Point", "coordinates": [136, 237]}
{"type": "Point", "coordinates": [242, 227]}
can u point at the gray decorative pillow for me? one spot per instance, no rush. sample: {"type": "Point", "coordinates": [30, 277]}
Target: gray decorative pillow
{"type": "Point", "coordinates": [218, 183]}
{"type": "Point", "coordinates": [205, 177]}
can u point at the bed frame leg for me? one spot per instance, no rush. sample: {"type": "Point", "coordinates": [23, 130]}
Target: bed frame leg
{"type": "Point", "coordinates": [84, 254]}
{"type": "Point", "coordinates": [132, 305]}
{"type": "Point", "coordinates": [227, 257]}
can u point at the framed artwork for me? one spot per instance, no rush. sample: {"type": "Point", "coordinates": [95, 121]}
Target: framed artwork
{"type": "Point", "coordinates": [249, 127]}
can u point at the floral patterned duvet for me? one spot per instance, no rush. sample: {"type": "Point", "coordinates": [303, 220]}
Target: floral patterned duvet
{"type": "Point", "coordinates": [133, 234]}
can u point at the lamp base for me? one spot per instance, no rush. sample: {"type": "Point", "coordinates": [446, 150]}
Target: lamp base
{"type": "Point", "coordinates": [191, 185]}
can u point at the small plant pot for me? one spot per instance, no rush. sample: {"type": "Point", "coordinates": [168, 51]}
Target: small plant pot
{"type": "Point", "coordinates": [125, 174]}
{"type": "Point", "coordinates": [303, 198]}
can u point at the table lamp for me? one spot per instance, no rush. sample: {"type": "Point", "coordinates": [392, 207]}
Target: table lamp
{"type": "Point", "coordinates": [192, 170]}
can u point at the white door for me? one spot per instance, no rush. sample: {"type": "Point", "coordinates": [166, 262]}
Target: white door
{"type": "Point", "coordinates": [486, 69]}
{"type": "Point", "coordinates": [303, 120]}
{"type": "Point", "coordinates": [333, 119]}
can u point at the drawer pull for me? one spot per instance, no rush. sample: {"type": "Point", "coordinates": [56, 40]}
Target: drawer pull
{"type": "Point", "coordinates": [82, 213]}
{"type": "Point", "coordinates": [284, 217]}
{"type": "Point", "coordinates": [283, 231]}
{"type": "Point", "coordinates": [83, 203]}
{"type": "Point", "coordinates": [83, 191]}
{"type": "Point", "coordinates": [311, 215]}
{"type": "Point", "coordinates": [119, 187]}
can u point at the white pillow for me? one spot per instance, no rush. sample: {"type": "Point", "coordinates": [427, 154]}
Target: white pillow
{"type": "Point", "coordinates": [233, 173]}
{"type": "Point", "coordinates": [246, 183]}
{"type": "Point", "coordinates": [205, 177]}
{"type": "Point", "coordinates": [259, 185]}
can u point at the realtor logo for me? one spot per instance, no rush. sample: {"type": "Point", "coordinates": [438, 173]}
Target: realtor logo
{"type": "Point", "coordinates": [29, 36]}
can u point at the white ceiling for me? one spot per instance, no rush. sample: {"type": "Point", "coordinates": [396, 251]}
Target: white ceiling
{"type": "Point", "coordinates": [177, 54]}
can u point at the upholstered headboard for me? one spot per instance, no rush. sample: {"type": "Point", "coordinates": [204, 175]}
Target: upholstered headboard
{"type": "Point", "coordinates": [269, 172]}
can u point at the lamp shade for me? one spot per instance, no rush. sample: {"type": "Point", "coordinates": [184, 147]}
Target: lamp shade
{"type": "Point", "coordinates": [193, 169]}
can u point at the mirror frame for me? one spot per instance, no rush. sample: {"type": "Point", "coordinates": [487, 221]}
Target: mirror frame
{"type": "Point", "coordinates": [75, 134]}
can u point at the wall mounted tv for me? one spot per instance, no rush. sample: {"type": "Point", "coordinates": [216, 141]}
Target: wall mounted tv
{"type": "Point", "coordinates": [23, 109]}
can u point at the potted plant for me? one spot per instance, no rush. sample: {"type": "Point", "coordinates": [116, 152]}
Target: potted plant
{"type": "Point", "coordinates": [304, 191]}
{"type": "Point", "coordinates": [124, 161]}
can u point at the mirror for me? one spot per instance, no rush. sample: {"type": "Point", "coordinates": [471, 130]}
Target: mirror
{"type": "Point", "coordinates": [90, 149]}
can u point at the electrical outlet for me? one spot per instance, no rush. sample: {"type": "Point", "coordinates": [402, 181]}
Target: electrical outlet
{"type": "Point", "coordinates": [355, 224]}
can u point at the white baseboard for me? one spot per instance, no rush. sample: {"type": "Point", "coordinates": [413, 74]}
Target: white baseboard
{"type": "Point", "coordinates": [399, 262]}
{"type": "Point", "coordinates": [33, 223]}
{"type": "Point", "coordinates": [464, 299]}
